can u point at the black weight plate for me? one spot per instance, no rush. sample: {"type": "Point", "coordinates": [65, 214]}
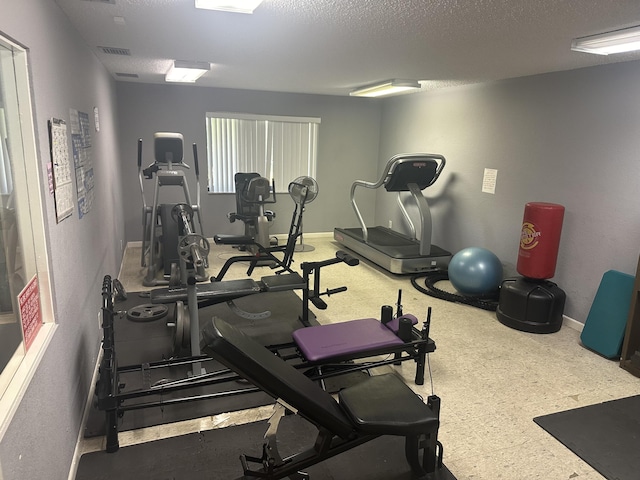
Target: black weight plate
{"type": "Point", "coordinates": [121, 293]}
{"type": "Point", "coordinates": [147, 312]}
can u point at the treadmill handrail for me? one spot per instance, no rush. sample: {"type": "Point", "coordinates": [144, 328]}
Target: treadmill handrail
{"type": "Point", "coordinates": [386, 174]}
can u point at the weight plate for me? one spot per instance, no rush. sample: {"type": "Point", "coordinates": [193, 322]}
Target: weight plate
{"type": "Point", "coordinates": [147, 312]}
{"type": "Point", "coordinates": [186, 331]}
{"type": "Point", "coordinates": [121, 293]}
{"type": "Point", "coordinates": [178, 319]}
{"type": "Point", "coordinates": [180, 208]}
{"type": "Point", "coordinates": [182, 334]}
{"type": "Point", "coordinates": [248, 315]}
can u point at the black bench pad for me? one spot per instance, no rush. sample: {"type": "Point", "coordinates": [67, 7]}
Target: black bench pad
{"type": "Point", "coordinates": [397, 410]}
{"type": "Point", "coordinates": [283, 282]}
{"type": "Point", "coordinates": [222, 239]}
{"type": "Point", "coordinates": [227, 290]}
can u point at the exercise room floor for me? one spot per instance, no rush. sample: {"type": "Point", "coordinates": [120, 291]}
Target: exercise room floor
{"type": "Point", "coordinates": [492, 380]}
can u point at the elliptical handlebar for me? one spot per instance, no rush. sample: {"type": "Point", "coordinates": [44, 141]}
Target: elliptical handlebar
{"type": "Point", "coordinates": [140, 173]}
{"type": "Point", "coordinates": [196, 165]}
{"type": "Point", "coordinates": [195, 160]}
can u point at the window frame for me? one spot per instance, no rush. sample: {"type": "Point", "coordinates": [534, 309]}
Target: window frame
{"type": "Point", "coordinates": [16, 376]}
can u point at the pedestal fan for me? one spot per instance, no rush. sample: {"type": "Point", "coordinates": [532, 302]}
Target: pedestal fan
{"type": "Point", "coordinates": [303, 190]}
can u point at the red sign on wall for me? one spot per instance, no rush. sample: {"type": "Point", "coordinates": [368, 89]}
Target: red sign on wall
{"type": "Point", "coordinates": [30, 313]}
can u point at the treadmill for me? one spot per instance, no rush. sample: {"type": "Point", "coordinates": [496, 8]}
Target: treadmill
{"type": "Point", "coordinates": [394, 251]}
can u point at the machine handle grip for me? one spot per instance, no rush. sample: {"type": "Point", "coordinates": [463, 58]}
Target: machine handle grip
{"type": "Point", "coordinates": [195, 159]}
{"type": "Point", "coordinates": [139, 154]}
{"type": "Point", "coordinates": [333, 291]}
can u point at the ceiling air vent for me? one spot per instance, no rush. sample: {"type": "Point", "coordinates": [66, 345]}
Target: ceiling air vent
{"type": "Point", "coordinates": [116, 51]}
{"type": "Point", "coordinates": [126, 75]}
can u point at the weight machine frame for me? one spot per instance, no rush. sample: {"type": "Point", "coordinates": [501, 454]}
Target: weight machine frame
{"type": "Point", "coordinates": [112, 398]}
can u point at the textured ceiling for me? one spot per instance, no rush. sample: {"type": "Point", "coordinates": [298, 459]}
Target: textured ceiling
{"type": "Point", "coordinates": [333, 46]}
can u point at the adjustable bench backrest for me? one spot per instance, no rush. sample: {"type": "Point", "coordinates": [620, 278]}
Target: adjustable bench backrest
{"type": "Point", "coordinates": [270, 373]}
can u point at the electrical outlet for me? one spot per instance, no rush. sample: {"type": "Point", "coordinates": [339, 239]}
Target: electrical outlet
{"type": "Point", "coordinates": [390, 223]}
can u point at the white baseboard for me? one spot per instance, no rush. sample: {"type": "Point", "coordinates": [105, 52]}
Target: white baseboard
{"type": "Point", "coordinates": [279, 236]}
{"type": "Point", "coordinates": [283, 236]}
{"type": "Point", "coordinates": [572, 323]}
{"type": "Point", "coordinates": [73, 470]}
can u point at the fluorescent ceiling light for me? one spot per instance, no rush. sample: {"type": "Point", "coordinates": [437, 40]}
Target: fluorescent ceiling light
{"type": "Point", "coordinates": [620, 41]}
{"type": "Point", "coordinates": [186, 72]}
{"type": "Point", "coordinates": [238, 6]}
{"type": "Point", "coordinates": [389, 87]}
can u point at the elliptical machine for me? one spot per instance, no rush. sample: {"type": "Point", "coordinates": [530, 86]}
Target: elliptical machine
{"type": "Point", "coordinates": [170, 240]}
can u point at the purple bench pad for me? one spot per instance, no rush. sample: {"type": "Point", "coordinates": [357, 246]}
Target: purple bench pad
{"type": "Point", "coordinates": [323, 342]}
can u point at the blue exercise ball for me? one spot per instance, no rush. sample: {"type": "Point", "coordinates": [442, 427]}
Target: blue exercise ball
{"type": "Point", "coordinates": [475, 271]}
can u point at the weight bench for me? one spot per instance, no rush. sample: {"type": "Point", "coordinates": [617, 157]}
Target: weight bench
{"type": "Point", "coordinates": [380, 405]}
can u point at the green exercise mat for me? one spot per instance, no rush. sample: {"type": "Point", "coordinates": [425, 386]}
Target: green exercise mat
{"type": "Point", "coordinates": [605, 325]}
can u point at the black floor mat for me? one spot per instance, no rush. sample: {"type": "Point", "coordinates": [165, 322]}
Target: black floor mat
{"type": "Point", "coordinates": [606, 435]}
{"type": "Point", "coordinates": [214, 455]}
{"type": "Point", "coordinates": [141, 342]}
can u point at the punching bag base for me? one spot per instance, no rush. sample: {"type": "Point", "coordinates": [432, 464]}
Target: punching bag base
{"type": "Point", "coordinates": [534, 306]}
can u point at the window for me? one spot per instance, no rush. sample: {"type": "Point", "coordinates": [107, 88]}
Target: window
{"type": "Point", "coordinates": [23, 256]}
{"type": "Point", "coordinates": [278, 148]}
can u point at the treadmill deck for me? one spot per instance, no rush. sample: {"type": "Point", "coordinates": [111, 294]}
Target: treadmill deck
{"type": "Point", "coordinates": [391, 250]}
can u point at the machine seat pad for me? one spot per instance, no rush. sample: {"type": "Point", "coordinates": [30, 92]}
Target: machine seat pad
{"type": "Point", "coordinates": [283, 282]}
{"type": "Point", "coordinates": [226, 290]}
{"type": "Point", "coordinates": [221, 239]}
{"type": "Point", "coordinates": [322, 342]}
{"type": "Point", "coordinates": [397, 410]}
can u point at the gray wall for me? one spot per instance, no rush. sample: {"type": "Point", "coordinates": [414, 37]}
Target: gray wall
{"type": "Point", "coordinates": [568, 138]}
{"type": "Point", "coordinates": [348, 148]}
{"type": "Point", "coordinates": [40, 441]}
{"type": "Point", "coordinates": [564, 137]}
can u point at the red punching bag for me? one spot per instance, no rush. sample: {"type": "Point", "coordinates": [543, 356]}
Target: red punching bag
{"type": "Point", "coordinates": [540, 239]}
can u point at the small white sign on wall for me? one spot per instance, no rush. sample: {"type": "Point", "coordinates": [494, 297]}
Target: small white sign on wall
{"type": "Point", "coordinates": [489, 180]}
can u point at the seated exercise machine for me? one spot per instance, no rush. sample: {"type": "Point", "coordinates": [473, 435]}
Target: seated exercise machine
{"type": "Point", "coordinates": [278, 256]}
{"type": "Point", "coordinates": [169, 233]}
{"type": "Point", "coordinates": [362, 340]}
{"type": "Point", "coordinates": [253, 192]}
{"type": "Point", "coordinates": [379, 405]}
{"type": "Point", "coordinates": [394, 251]}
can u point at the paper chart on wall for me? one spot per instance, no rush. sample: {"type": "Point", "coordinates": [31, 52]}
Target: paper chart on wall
{"type": "Point", "coordinates": [81, 144]}
{"type": "Point", "coordinates": [61, 169]}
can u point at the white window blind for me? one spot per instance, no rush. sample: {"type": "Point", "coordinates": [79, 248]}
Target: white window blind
{"type": "Point", "coordinates": [278, 148]}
